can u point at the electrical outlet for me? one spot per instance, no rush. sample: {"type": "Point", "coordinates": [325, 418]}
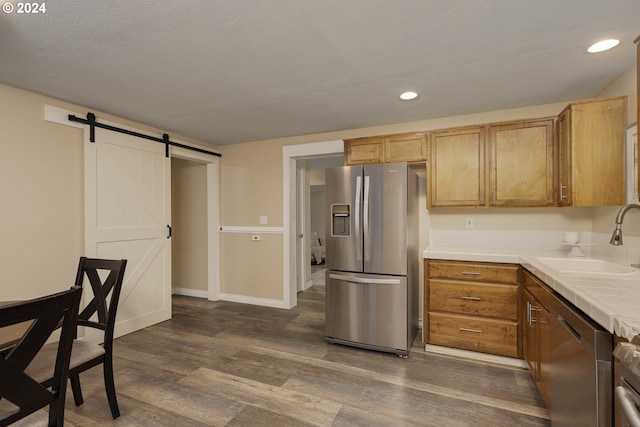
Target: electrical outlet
{"type": "Point", "coordinates": [469, 222]}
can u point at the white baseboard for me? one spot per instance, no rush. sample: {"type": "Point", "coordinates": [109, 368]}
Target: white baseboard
{"type": "Point", "coordinates": [501, 360]}
{"type": "Point", "coordinates": [265, 302]}
{"type": "Point", "coordinates": [307, 285]}
{"type": "Point", "coordinates": [187, 292]}
{"type": "Point", "coordinates": [230, 297]}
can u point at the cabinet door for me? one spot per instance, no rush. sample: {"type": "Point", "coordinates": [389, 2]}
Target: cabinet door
{"type": "Point", "coordinates": [410, 147]}
{"type": "Point", "coordinates": [521, 159]}
{"type": "Point", "coordinates": [596, 150]}
{"type": "Point", "coordinates": [363, 151]}
{"type": "Point", "coordinates": [544, 355]}
{"type": "Point", "coordinates": [456, 168]}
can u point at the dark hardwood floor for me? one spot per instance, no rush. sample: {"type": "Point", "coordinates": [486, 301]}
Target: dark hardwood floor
{"type": "Point", "coordinates": [229, 364]}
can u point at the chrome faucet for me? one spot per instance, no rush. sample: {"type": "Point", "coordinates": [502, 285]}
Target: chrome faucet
{"type": "Point", "coordinates": [616, 238]}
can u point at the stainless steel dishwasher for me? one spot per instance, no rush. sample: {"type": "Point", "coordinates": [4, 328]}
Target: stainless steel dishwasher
{"type": "Point", "coordinates": [581, 369]}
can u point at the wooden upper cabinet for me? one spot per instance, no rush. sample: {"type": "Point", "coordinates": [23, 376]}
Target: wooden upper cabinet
{"type": "Point", "coordinates": [456, 168]}
{"type": "Point", "coordinates": [409, 147]}
{"type": "Point", "coordinates": [591, 153]}
{"type": "Point", "coordinates": [505, 165]}
{"type": "Point", "coordinates": [521, 163]}
{"type": "Point", "coordinates": [363, 151]}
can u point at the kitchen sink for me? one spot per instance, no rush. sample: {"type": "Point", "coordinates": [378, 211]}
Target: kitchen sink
{"type": "Point", "coordinates": [587, 266]}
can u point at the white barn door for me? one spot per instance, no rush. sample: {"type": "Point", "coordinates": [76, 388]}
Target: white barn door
{"type": "Point", "coordinates": [127, 215]}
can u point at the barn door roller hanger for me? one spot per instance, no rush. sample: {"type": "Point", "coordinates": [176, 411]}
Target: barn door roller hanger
{"type": "Point", "coordinates": [93, 124]}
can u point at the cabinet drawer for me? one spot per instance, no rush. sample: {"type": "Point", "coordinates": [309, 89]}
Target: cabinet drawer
{"type": "Point", "coordinates": [474, 333]}
{"type": "Point", "coordinates": [501, 273]}
{"type": "Point", "coordinates": [490, 300]}
{"type": "Point", "coordinates": [536, 288]}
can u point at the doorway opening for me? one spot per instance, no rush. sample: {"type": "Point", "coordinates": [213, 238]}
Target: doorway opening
{"type": "Point", "coordinates": [296, 266]}
{"type": "Point", "coordinates": [196, 174]}
{"type": "Point", "coordinates": [315, 221]}
{"type": "Point", "coordinates": [188, 219]}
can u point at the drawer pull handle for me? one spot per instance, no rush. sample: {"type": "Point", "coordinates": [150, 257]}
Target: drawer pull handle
{"type": "Point", "coordinates": [471, 273]}
{"type": "Point", "coordinates": [475, 331]}
{"type": "Point", "coordinates": [472, 298]}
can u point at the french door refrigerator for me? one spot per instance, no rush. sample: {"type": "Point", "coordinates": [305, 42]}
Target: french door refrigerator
{"type": "Point", "coordinates": [372, 256]}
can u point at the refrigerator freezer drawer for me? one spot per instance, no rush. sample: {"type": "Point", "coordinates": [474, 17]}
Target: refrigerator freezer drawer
{"type": "Point", "coordinates": [367, 311]}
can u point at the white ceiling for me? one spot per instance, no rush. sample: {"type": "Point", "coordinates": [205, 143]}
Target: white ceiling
{"type": "Point", "coordinates": [230, 71]}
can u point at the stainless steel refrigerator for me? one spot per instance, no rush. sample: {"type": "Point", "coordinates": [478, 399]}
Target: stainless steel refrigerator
{"type": "Point", "coordinates": [372, 256]}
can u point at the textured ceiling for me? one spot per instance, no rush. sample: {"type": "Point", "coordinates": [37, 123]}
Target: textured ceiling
{"type": "Point", "coordinates": [230, 71]}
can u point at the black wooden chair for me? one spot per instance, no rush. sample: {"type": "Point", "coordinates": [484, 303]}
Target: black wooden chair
{"type": "Point", "coordinates": [100, 314]}
{"type": "Point", "coordinates": [23, 398]}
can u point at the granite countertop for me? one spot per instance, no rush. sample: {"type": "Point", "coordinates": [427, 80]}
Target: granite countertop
{"type": "Point", "coordinates": [612, 303]}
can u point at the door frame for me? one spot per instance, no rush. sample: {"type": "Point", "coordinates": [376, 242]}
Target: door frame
{"type": "Point", "coordinates": [301, 242]}
{"type": "Point", "coordinates": [290, 154]}
{"type": "Point", "coordinates": [61, 116]}
{"type": "Point", "coordinates": [213, 215]}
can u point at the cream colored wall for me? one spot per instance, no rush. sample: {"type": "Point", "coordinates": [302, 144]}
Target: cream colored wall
{"type": "Point", "coordinates": [548, 219]}
{"type": "Point", "coordinates": [41, 185]}
{"type": "Point", "coordinates": [251, 268]}
{"type": "Point", "coordinates": [251, 186]}
{"type": "Point", "coordinates": [189, 220]}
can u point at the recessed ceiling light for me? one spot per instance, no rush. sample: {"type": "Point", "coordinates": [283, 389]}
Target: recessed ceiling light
{"type": "Point", "coordinates": [408, 96]}
{"type": "Point", "coordinates": [603, 45]}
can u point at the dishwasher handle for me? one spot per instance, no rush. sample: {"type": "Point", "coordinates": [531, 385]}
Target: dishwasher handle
{"type": "Point", "coordinates": [569, 328]}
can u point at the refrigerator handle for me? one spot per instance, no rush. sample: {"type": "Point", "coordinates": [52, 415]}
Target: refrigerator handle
{"type": "Point", "coordinates": [365, 218]}
{"type": "Point", "coordinates": [366, 281]}
{"type": "Point", "coordinates": [357, 218]}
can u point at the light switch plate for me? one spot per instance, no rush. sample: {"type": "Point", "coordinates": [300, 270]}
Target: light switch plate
{"type": "Point", "coordinates": [263, 220]}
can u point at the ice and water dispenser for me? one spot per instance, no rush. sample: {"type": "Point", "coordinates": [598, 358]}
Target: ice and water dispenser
{"type": "Point", "coordinates": [340, 220]}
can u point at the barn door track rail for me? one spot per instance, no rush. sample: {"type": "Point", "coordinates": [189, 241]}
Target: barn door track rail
{"type": "Point", "coordinates": [93, 124]}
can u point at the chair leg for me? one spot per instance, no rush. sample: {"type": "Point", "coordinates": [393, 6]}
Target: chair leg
{"type": "Point", "coordinates": [110, 387]}
{"type": "Point", "coordinates": [77, 390]}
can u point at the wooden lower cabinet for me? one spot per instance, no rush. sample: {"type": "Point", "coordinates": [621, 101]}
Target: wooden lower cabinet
{"type": "Point", "coordinates": [472, 306]}
{"type": "Point", "coordinates": [536, 332]}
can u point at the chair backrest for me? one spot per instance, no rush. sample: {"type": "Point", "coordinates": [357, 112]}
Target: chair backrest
{"type": "Point", "coordinates": [106, 294]}
{"type": "Point", "coordinates": [21, 395]}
